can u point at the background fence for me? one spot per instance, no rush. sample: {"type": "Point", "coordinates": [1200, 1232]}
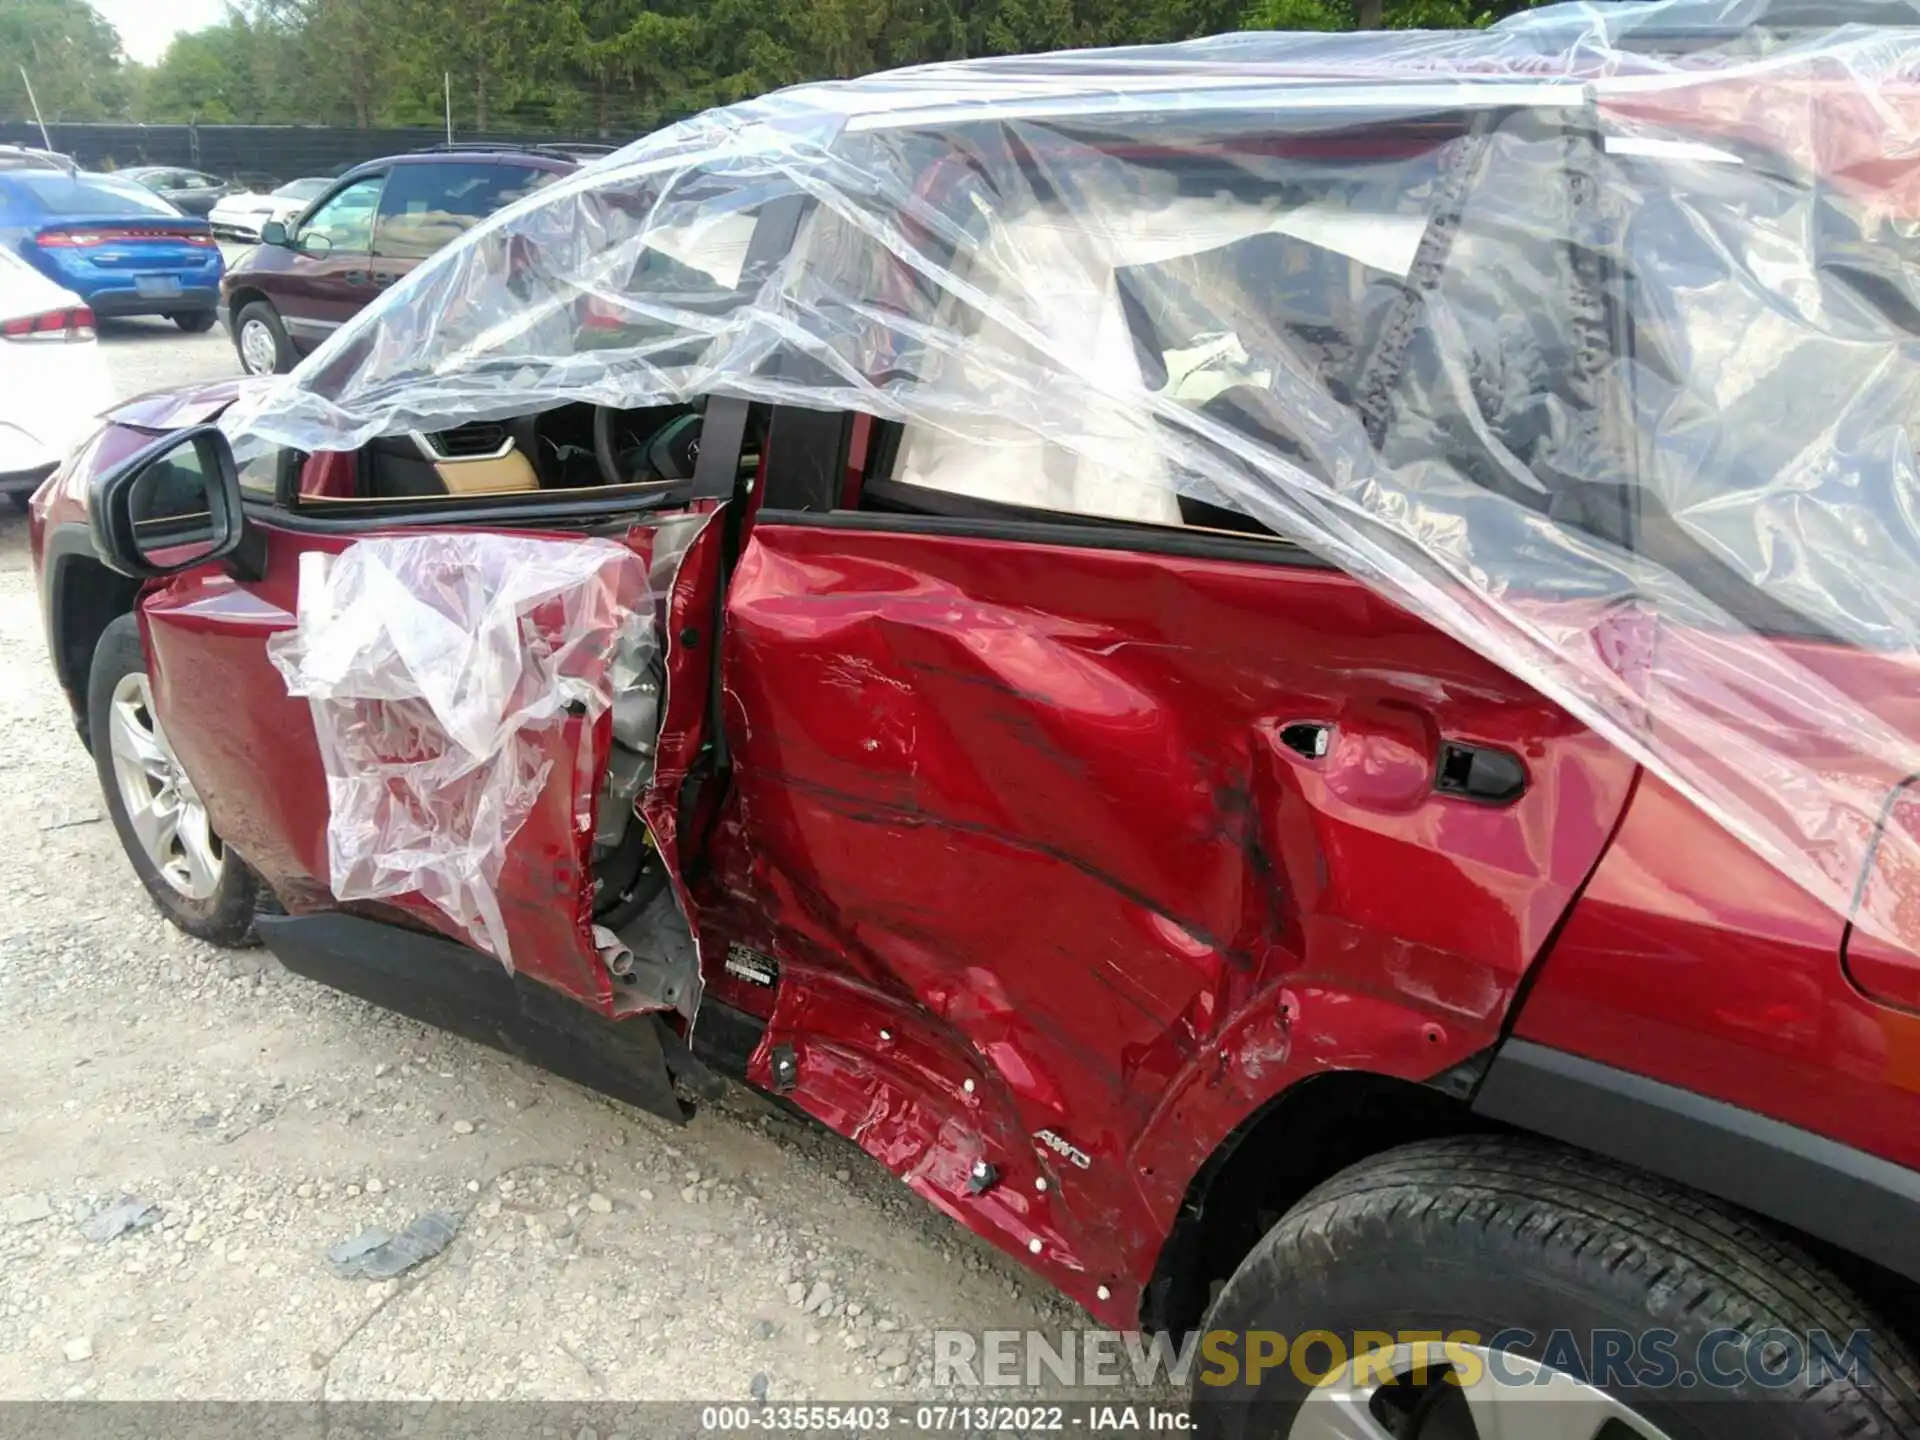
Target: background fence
{"type": "Point", "coordinates": [256, 153]}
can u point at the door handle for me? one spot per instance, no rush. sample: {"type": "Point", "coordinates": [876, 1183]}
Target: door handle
{"type": "Point", "coordinates": [1476, 772]}
{"type": "Point", "coordinates": [1308, 739]}
{"type": "Point", "coordinates": [1388, 756]}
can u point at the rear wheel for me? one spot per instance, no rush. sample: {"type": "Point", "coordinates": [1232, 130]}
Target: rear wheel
{"type": "Point", "coordinates": [162, 824]}
{"type": "Point", "coordinates": [262, 340]}
{"type": "Point", "coordinates": [1560, 1288]}
{"type": "Point", "coordinates": [194, 322]}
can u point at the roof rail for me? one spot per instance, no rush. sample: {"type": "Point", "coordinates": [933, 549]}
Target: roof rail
{"type": "Point", "coordinates": [564, 149]}
{"type": "Point", "coordinates": [1687, 25]}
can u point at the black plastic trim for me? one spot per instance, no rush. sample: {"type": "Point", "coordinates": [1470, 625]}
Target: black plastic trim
{"type": "Point", "coordinates": [530, 513]}
{"type": "Point", "coordinates": [726, 1037]}
{"type": "Point", "coordinates": [1085, 535]}
{"type": "Point", "coordinates": [25, 482]}
{"type": "Point", "coordinates": [806, 458]}
{"type": "Point", "coordinates": [1858, 1202]}
{"type": "Point", "coordinates": [61, 546]}
{"type": "Point", "coordinates": [448, 985]}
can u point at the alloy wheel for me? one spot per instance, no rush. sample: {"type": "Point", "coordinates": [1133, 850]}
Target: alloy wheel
{"type": "Point", "coordinates": [166, 813]}
{"type": "Point", "coordinates": [1504, 1397]}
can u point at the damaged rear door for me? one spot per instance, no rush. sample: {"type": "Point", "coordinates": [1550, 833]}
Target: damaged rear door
{"type": "Point", "coordinates": [1072, 817]}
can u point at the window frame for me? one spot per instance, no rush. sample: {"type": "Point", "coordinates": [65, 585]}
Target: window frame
{"type": "Point", "coordinates": [806, 459]}
{"type": "Point", "coordinates": [313, 210]}
{"type": "Point", "coordinates": [382, 215]}
{"type": "Point", "coordinates": [949, 513]}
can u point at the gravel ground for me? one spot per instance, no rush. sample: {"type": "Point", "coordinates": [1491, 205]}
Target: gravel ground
{"type": "Point", "coordinates": [259, 1120]}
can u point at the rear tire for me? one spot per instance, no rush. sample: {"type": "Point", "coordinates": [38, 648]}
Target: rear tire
{"type": "Point", "coordinates": [194, 322]}
{"type": "Point", "coordinates": [1492, 1233]}
{"type": "Point", "coordinates": [261, 340]}
{"type": "Point", "coordinates": [222, 915]}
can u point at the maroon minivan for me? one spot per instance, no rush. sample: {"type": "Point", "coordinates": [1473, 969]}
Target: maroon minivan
{"type": "Point", "coordinates": [375, 224]}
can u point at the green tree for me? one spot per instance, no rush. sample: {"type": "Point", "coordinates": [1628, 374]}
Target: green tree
{"type": "Point", "coordinates": [1377, 14]}
{"type": "Point", "coordinates": [478, 49]}
{"type": "Point", "coordinates": [73, 56]}
{"type": "Point", "coordinates": [623, 60]}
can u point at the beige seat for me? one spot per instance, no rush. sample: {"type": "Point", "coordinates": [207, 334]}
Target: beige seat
{"type": "Point", "coordinates": [1055, 275]}
{"type": "Point", "coordinates": [501, 474]}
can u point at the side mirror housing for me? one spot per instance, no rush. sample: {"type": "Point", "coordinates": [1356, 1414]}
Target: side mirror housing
{"type": "Point", "coordinates": [173, 506]}
{"type": "Point", "coordinates": [274, 232]}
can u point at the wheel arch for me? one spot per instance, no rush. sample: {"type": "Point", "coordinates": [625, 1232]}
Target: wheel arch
{"type": "Point", "coordinates": [1302, 1136]}
{"type": "Point", "coordinates": [1843, 1200]}
{"type": "Point", "coordinates": [81, 598]}
{"type": "Point", "coordinates": [1857, 1212]}
{"type": "Point", "coordinates": [245, 295]}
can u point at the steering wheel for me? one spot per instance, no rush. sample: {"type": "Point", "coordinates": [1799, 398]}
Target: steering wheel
{"type": "Point", "coordinates": [659, 455]}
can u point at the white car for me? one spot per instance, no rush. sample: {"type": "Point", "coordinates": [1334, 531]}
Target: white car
{"type": "Point", "coordinates": [53, 378]}
{"type": "Point", "coordinates": [240, 217]}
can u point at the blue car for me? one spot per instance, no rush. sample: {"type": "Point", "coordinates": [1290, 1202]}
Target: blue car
{"type": "Point", "coordinates": [115, 244]}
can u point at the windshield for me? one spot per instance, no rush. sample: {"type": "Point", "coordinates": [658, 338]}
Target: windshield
{"type": "Point", "coordinates": [60, 194]}
{"type": "Point", "coordinates": [301, 189]}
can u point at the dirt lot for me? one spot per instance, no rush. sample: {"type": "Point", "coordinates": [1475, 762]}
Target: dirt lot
{"type": "Point", "coordinates": [600, 1253]}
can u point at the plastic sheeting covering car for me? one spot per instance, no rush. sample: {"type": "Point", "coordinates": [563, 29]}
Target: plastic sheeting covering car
{"type": "Point", "coordinates": [1599, 356]}
{"type": "Point", "coordinates": [432, 665]}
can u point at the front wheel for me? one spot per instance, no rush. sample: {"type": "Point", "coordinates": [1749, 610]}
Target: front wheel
{"type": "Point", "coordinates": [194, 880]}
{"type": "Point", "coordinates": [261, 340]}
{"type": "Point", "coordinates": [1502, 1289]}
{"type": "Point", "coordinates": [194, 322]}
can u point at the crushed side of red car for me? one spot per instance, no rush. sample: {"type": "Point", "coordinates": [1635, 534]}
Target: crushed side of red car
{"type": "Point", "coordinates": [1066, 868]}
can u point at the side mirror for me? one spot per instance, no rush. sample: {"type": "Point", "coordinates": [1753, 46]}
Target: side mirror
{"type": "Point", "coordinates": [319, 244]}
{"type": "Point", "coordinates": [170, 507]}
{"type": "Point", "coordinates": [274, 232]}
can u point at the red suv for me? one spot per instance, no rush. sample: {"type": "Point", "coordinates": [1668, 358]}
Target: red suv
{"type": "Point", "coordinates": [843, 596]}
{"type": "Point", "coordinates": [370, 228]}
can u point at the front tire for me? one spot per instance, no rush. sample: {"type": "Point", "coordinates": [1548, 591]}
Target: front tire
{"type": "Point", "coordinates": [192, 878]}
{"type": "Point", "coordinates": [1486, 1234]}
{"type": "Point", "coordinates": [194, 322]}
{"type": "Point", "coordinates": [261, 340]}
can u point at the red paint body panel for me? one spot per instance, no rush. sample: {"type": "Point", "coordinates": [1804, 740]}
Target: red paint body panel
{"type": "Point", "coordinates": [1036, 797]}
{"type": "Point", "coordinates": [1886, 969]}
{"type": "Point", "coordinates": [251, 748]}
{"type": "Point", "coordinates": [1689, 960]}
{"type": "Point", "coordinates": [1023, 826]}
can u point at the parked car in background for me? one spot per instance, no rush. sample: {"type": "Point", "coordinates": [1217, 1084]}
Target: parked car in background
{"type": "Point", "coordinates": [239, 216]}
{"type": "Point", "coordinates": [375, 223]}
{"type": "Point", "coordinates": [28, 157]}
{"type": "Point", "coordinates": [191, 191]}
{"type": "Point", "coordinates": [53, 379]}
{"type": "Point", "coordinates": [116, 244]}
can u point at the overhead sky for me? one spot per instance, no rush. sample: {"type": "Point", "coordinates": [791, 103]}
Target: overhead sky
{"type": "Point", "coordinates": [147, 26]}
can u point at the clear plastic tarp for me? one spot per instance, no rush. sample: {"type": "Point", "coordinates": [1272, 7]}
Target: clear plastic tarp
{"type": "Point", "coordinates": [438, 668]}
{"type": "Point", "coordinates": [1591, 338]}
